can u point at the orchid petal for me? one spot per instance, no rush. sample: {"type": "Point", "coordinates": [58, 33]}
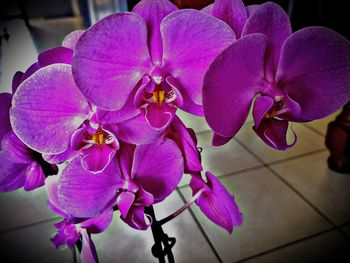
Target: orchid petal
{"type": "Point", "coordinates": [233, 12]}
{"type": "Point", "coordinates": [100, 222]}
{"type": "Point", "coordinates": [78, 139]}
{"type": "Point", "coordinates": [143, 198]}
{"type": "Point", "coordinates": [61, 157]}
{"type": "Point", "coordinates": [314, 70]}
{"type": "Point", "coordinates": [251, 9]}
{"type": "Point", "coordinates": [88, 249]}
{"type": "Point", "coordinates": [153, 11]}
{"type": "Point", "coordinates": [16, 80]}
{"type": "Point", "coordinates": [191, 41]}
{"type": "Point", "coordinates": [71, 40]}
{"type": "Point", "coordinates": [219, 140]}
{"type": "Point", "coordinates": [180, 134]}
{"type": "Point", "coordinates": [5, 105]}
{"type": "Point", "coordinates": [208, 9]}
{"type": "Point", "coordinates": [127, 112]}
{"type": "Point", "coordinates": [158, 168]}
{"type": "Point", "coordinates": [15, 150]}
{"type": "Point", "coordinates": [12, 175]}
{"type": "Point", "coordinates": [55, 55]}
{"type": "Point", "coordinates": [125, 156]}
{"type": "Point", "coordinates": [261, 106]}
{"type": "Point", "coordinates": [136, 218]}
{"type": "Point", "coordinates": [272, 21]}
{"type": "Point", "coordinates": [30, 71]}
{"type": "Point", "coordinates": [292, 110]}
{"type": "Point", "coordinates": [51, 191]}
{"type": "Point", "coordinates": [217, 203]}
{"type": "Point", "coordinates": [35, 177]}
{"type": "Point", "coordinates": [137, 131]}
{"type": "Point", "coordinates": [47, 109]}
{"type": "Point", "coordinates": [274, 133]}
{"type": "Point", "coordinates": [110, 58]}
{"type": "Point", "coordinates": [223, 194]}
{"type": "Point", "coordinates": [84, 194]}
{"type": "Point", "coordinates": [124, 202]}
{"type": "Point", "coordinates": [72, 235]}
{"type": "Point", "coordinates": [186, 102]}
{"type": "Point", "coordinates": [231, 84]}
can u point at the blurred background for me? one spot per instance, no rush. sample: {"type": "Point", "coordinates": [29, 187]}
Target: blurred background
{"type": "Point", "coordinates": [295, 208]}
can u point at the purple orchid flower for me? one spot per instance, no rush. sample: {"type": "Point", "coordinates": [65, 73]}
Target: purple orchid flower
{"type": "Point", "coordinates": [150, 60]}
{"type": "Point", "coordinates": [71, 229]}
{"type": "Point", "coordinates": [296, 77]}
{"type": "Point", "coordinates": [20, 166]}
{"type": "Point", "coordinates": [186, 140]}
{"type": "Point", "coordinates": [139, 176]}
{"type": "Point", "coordinates": [51, 115]}
{"type": "Point", "coordinates": [216, 202]}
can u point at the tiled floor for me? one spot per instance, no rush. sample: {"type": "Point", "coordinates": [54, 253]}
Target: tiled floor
{"type": "Point", "coordinates": [295, 209]}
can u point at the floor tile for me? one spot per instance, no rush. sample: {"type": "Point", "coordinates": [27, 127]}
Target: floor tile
{"type": "Point", "coordinates": [32, 244]}
{"type": "Point", "coordinates": [327, 190]}
{"type": "Point", "coordinates": [322, 124]}
{"type": "Point", "coordinates": [225, 159]}
{"type": "Point", "coordinates": [222, 160]}
{"type": "Point", "coordinates": [308, 141]}
{"type": "Point", "coordinates": [20, 208]}
{"type": "Point", "coordinates": [328, 247]}
{"type": "Point", "coordinates": [273, 215]}
{"type": "Point", "coordinates": [120, 243]}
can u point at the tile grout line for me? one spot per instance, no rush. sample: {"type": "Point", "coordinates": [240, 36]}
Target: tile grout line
{"type": "Point", "coordinates": [289, 185]}
{"type": "Point", "coordinates": [200, 227]}
{"type": "Point", "coordinates": [313, 129]}
{"type": "Point", "coordinates": [28, 225]}
{"type": "Point", "coordinates": [262, 165]}
{"type": "Point", "coordinates": [296, 157]}
{"type": "Point", "coordinates": [286, 245]}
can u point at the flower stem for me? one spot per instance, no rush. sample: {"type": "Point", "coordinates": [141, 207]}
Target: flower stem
{"type": "Point", "coordinates": [162, 243]}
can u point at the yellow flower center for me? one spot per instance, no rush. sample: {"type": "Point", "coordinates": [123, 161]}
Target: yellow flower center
{"type": "Point", "coordinates": [158, 96]}
{"type": "Point", "coordinates": [100, 136]}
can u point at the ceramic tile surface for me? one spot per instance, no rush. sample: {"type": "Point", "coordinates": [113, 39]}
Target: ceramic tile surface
{"type": "Point", "coordinates": [273, 215]}
{"type": "Point", "coordinates": [327, 247]}
{"type": "Point", "coordinates": [328, 190]}
{"type": "Point", "coordinates": [226, 159]}
{"type": "Point", "coordinates": [223, 160]}
{"type": "Point", "coordinates": [20, 208]}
